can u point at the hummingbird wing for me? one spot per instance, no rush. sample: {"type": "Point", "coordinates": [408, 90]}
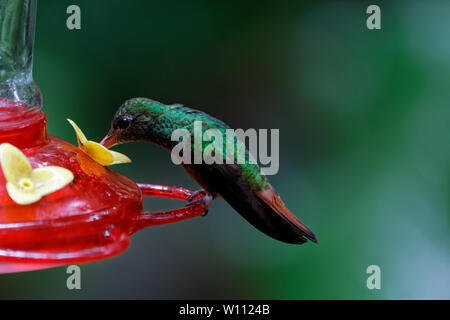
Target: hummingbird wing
{"type": "Point", "coordinates": [264, 209]}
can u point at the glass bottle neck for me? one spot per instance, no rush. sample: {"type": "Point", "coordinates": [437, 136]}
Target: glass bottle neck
{"type": "Point", "coordinates": [17, 24]}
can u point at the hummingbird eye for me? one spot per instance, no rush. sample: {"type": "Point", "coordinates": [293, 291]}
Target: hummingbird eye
{"type": "Point", "coordinates": [123, 122]}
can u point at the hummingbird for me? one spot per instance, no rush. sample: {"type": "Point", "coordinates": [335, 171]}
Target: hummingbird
{"type": "Point", "coordinates": [243, 186]}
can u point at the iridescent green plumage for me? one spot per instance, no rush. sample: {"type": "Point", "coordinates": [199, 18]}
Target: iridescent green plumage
{"type": "Point", "coordinates": [159, 122]}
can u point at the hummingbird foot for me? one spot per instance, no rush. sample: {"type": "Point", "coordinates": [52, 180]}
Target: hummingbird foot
{"type": "Point", "coordinates": [205, 200]}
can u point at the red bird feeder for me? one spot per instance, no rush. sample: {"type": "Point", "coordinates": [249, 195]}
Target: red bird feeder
{"type": "Point", "coordinates": [93, 216]}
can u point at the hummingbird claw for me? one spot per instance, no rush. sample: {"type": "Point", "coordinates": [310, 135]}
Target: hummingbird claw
{"type": "Point", "coordinates": [195, 194]}
{"type": "Point", "coordinates": [204, 201]}
{"type": "Point", "coordinates": [205, 213]}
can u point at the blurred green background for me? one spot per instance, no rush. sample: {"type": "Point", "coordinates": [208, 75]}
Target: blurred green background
{"type": "Point", "coordinates": [364, 141]}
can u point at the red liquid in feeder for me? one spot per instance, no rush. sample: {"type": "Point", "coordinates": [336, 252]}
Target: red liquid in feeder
{"type": "Point", "coordinates": [89, 219]}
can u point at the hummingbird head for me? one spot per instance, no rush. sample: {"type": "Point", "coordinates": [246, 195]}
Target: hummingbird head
{"type": "Point", "coordinates": [134, 121]}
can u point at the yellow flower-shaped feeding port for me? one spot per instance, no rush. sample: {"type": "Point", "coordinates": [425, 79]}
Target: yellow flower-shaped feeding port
{"type": "Point", "coordinates": [96, 151]}
{"type": "Point", "coordinates": [26, 185]}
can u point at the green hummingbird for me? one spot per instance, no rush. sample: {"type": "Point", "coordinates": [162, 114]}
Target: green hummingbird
{"type": "Point", "coordinates": [243, 186]}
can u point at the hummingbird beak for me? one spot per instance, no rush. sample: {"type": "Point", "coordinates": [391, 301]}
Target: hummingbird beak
{"type": "Point", "coordinates": [109, 140]}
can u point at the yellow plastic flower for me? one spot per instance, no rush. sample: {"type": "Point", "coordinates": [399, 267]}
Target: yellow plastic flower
{"type": "Point", "coordinates": [96, 151]}
{"type": "Point", "coordinates": [26, 185]}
